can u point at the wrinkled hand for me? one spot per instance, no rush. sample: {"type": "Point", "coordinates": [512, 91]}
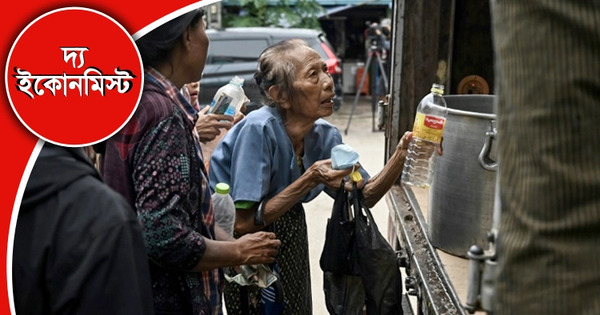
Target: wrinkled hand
{"type": "Point", "coordinates": [258, 248]}
{"type": "Point", "coordinates": [209, 126]}
{"type": "Point", "coordinates": [325, 174]}
{"type": "Point", "coordinates": [407, 137]}
{"type": "Point", "coordinates": [359, 185]}
{"type": "Point", "coordinates": [402, 146]}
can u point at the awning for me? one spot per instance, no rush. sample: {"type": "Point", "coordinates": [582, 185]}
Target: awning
{"type": "Point", "coordinates": [325, 3]}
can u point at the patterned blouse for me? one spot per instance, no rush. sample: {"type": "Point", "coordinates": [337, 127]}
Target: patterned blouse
{"type": "Point", "coordinates": [155, 162]}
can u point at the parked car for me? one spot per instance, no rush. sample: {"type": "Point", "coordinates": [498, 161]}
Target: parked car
{"type": "Point", "coordinates": [234, 51]}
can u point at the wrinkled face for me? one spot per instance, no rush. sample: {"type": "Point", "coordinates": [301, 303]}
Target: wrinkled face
{"type": "Point", "coordinates": [313, 85]}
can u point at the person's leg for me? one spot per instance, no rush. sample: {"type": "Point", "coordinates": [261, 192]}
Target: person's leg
{"type": "Point", "coordinates": [548, 85]}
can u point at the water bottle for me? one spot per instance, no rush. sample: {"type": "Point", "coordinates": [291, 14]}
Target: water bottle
{"type": "Point", "coordinates": [229, 98]}
{"type": "Point", "coordinates": [428, 130]}
{"type": "Point", "coordinates": [224, 208]}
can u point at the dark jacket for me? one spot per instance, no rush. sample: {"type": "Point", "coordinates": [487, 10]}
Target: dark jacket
{"type": "Point", "coordinates": [78, 246]}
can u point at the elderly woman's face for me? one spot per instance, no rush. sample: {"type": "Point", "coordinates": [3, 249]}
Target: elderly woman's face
{"type": "Point", "coordinates": [313, 86]}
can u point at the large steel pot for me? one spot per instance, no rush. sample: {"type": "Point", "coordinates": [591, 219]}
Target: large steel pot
{"type": "Point", "coordinates": [461, 196]}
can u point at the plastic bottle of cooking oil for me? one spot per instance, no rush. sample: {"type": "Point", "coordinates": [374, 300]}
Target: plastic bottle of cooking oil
{"type": "Point", "coordinates": [428, 130]}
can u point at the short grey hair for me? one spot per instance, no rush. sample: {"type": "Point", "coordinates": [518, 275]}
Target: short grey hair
{"type": "Point", "coordinates": [275, 68]}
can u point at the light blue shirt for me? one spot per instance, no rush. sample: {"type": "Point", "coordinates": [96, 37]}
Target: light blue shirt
{"type": "Point", "coordinates": [257, 159]}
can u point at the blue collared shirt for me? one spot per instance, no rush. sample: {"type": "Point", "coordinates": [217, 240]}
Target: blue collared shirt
{"type": "Point", "coordinates": [257, 159]}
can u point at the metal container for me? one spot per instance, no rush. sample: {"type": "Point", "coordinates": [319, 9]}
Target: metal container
{"type": "Point", "coordinates": [461, 197]}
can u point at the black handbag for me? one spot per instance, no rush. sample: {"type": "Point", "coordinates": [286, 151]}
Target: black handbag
{"type": "Point", "coordinates": [370, 276]}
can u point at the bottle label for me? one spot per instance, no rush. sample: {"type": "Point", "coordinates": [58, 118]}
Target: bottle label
{"type": "Point", "coordinates": [230, 111]}
{"type": "Point", "coordinates": [429, 128]}
{"type": "Point", "coordinates": [220, 104]}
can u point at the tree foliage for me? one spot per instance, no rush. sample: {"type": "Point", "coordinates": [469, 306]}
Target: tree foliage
{"type": "Point", "coordinates": [283, 13]}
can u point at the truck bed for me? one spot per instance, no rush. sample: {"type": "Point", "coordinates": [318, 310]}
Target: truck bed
{"type": "Point", "coordinates": [439, 280]}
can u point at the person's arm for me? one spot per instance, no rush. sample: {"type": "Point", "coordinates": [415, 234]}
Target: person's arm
{"type": "Point", "coordinates": [249, 162]}
{"type": "Point", "coordinates": [381, 183]}
{"type": "Point", "coordinates": [163, 185]}
{"type": "Point", "coordinates": [221, 235]}
{"type": "Point", "coordinates": [250, 249]}
{"type": "Point", "coordinates": [274, 208]}
{"type": "Point", "coordinates": [209, 126]}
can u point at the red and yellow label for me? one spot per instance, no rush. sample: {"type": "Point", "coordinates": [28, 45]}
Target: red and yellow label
{"type": "Point", "coordinates": [428, 127]}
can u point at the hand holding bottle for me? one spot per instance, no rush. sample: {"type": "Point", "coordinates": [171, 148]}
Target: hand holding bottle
{"type": "Point", "coordinates": [209, 126]}
{"type": "Point", "coordinates": [427, 135]}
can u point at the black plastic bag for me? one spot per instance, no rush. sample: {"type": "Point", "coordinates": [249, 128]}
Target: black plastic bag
{"type": "Point", "coordinates": [338, 255]}
{"type": "Point", "coordinates": [375, 261]}
{"type": "Point", "coordinates": [344, 294]}
{"type": "Point", "coordinates": [379, 266]}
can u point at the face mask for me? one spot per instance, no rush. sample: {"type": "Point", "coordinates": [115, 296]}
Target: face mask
{"type": "Point", "coordinates": [343, 157]}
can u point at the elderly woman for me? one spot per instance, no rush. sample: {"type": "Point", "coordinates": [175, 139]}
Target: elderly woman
{"type": "Point", "coordinates": [155, 162]}
{"type": "Point", "coordinates": [278, 157]}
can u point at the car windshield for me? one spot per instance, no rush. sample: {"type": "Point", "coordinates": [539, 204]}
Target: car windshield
{"type": "Point", "coordinates": [235, 50]}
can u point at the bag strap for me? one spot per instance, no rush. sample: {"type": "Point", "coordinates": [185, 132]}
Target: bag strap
{"type": "Point", "coordinates": [356, 201]}
{"type": "Point", "coordinates": [360, 210]}
{"type": "Point", "coordinates": [341, 213]}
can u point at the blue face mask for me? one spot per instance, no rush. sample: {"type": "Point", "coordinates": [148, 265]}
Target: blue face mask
{"type": "Point", "coordinates": [343, 157]}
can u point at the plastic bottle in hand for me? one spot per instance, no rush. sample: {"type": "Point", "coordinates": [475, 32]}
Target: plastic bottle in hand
{"type": "Point", "coordinates": [229, 98]}
{"type": "Point", "coordinates": [428, 130]}
{"type": "Point", "coordinates": [224, 208]}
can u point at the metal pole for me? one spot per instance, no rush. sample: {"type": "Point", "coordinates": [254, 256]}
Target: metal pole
{"type": "Point", "coordinates": [360, 87]}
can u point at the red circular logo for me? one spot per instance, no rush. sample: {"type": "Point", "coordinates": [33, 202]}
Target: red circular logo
{"type": "Point", "coordinates": [74, 76]}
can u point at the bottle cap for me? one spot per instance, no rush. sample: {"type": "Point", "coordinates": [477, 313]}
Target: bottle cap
{"type": "Point", "coordinates": [237, 81]}
{"type": "Point", "coordinates": [437, 88]}
{"type": "Point", "coordinates": [222, 188]}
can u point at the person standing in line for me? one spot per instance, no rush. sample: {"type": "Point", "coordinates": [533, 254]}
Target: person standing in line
{"type": "Point", "coordinates": [279, 157]}
{"type": "Point", "coordinates": [548, 86]}
{"type": "Point", "coordinates": [78, 247]}
{"type": "Point", "coordinates": [156, 163]}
